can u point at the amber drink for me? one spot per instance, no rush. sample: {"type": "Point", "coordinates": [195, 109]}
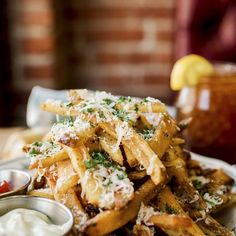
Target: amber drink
{"type": "Point", "coordinates": [212, 106]}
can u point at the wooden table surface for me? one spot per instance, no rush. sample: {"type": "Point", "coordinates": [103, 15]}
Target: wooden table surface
{"type": "Point", "coordinates": [5, 134]}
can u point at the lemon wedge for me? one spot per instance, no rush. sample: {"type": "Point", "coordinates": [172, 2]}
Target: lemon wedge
{"type": "Point", "coordinates": [189, 70]}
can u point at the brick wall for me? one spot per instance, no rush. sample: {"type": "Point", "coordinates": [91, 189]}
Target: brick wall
{"type": "Point", "coordinates": [123, 46]}
{"type": "Point", "coordinates": [32, 26]}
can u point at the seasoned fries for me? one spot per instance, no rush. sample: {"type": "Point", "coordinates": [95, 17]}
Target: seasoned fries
{"type": "Point", "coordinates": [118, 163]}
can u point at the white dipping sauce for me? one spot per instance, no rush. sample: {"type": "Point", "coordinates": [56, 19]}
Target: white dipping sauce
{"type": "Point", "coordinates": [25, 222]}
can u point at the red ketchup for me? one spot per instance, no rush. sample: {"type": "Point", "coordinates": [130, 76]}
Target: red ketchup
{"type": "Point", "coordinates": [4, 187]}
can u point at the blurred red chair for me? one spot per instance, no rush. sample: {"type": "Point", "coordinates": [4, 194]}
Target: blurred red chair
{"type": "Point", "coordinates": [207, 28]}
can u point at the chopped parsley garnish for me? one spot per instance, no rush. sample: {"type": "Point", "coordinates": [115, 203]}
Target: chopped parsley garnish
{"type": "Point", "coordinates": [89, 164]}
{"type": "Point", "coordinates": [101, 114]}
{"type": "Point", "coordinates": [102, 158]}
{"type": "Point", "coordinates": [67, 121]}
{"type": "Point", "coordinates": [145, 100]}
{"type": "Point", "coordinates": [34, 152]}
{"type": "Point", "coordinates": [122, 176]}
{"type": "Point", "coordinates": [197, 184]}
{"type": "Point", "coordinates": [69, 104]}
{"type": "Point", "coordinates": [90, 110]}
{"type": "Point", "coordinates": [136, 108]}
{"type": "Point", "coordinates": [108, 183]}
{"type": "Point", "coordinates": [122, 99]}
{"type": "Point", "coordinates": [121, 114]}
{"type": "Point", "coordinates": [108, 101]}
{"type": "Point", "coordinates": [170, 210]}
{"type": "Point", "coordinates": [37, 144]}
{"type": "Point", "coordinates": [98, 158]}
{"type": "Point", "coordinates": [210, 202]}
{"type": "Point", "coordinates": [147, 134]}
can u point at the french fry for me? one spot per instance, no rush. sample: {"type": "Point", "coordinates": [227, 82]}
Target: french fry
{"type": "Point", "coordinates": [67, 178]}
{"type": "Point", "coordinates": [163, 136]}
{"type": "Point", "coordinates": [78, 156]}
{"type": "Point", "coordinates": [145, 122]}
{"type": "Point", "coordinates": [166, 221]}
{"type": "Point", "coordinates": [49, 160]}
{"type": "Point", "coordinates": [104, 141]}
{"type": "Point", "coordinates": [43, 192]}
{"type": "Point", "coordinates": [131, 159]}
{"type": "Point", "coordinates": [71, 200]}
{"type": "Point", "coordinates": [59, 108]}
{"type": "Point", "coordinates": [147, 158]}
{"type": "Point", "coordinates": [168, 203]}
{"type": "Point", "coordinates": [109, 145]}
{"type": "Point", "coordinates": [137, 175]}
{"type": "Point", "coordinates": [143, 153]}
{"type": "Point", "coordinates": [211, 227]}
{"type": "Point", "coordinates": [142, 230]}
{"type": "Point", "coordinates": [114, 219]}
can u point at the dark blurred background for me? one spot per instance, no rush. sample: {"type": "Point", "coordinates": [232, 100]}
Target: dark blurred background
{"type": "Point", "coordinates": [125, 47]}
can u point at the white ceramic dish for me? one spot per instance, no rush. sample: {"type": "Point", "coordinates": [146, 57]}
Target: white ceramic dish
{"type": "Point", "coordinates": [227, 217]}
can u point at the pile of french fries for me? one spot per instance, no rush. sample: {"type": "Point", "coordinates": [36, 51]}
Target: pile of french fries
{"type": "Point", "coordinates": [119, 165]}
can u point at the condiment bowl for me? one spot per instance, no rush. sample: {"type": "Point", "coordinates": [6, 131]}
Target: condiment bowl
{"type": "Point", "coordinates": [57, 213]}
{"type": "Point", "coordinates": [18, 180]}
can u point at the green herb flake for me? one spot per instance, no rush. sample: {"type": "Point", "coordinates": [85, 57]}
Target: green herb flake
{"type": "Point", "coordinates": [147, 134]}
{"type": "Point", "coordinates": [101, 158]}
{"type": "Point", "coordinates": [121, 114]}
{"type": "Point", "coordinates": [90, 110]}
{"type": "Point", "coordinates": [197, 184]}
{"type": "Point", "coordinates": [145, 100]}
{"type": "Point", "coordinates": [109, 183]}
{"type": "Point", "coordinates": [69, 104]}
{"type": "Point", "coordinates": [69, 121]}
{"type": "Point", "coordinates": [108, 101]}
{"type": "Point", "coordinates": [136, 108]}
{"type": "Point", "coordinates": [122, 99]}
{"type": "Point", "coordinates": [89, 164]}
{"type": "Point", "coordinates": [34, 152]}
{"type": "Point", "coordinates": [37, 144]}
{"type": "Point", "coordinates": [122, 176]}
{"type": "Point", "coordinates": [170, 210]}
{"type": "Point", "coordinates": [101, 114]}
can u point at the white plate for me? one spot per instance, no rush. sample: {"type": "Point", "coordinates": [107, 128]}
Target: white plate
{"type": "Point", "coordinates": [216, 163]}
{"type": "Point", "coordinates": [226, 217]}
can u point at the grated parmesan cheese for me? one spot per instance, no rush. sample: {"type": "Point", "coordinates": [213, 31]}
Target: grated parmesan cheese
{"type": "Point", "coordinates": [68, 128]}
{"type": "Point", "coordinates": [123, 132]}
{"type": "Point", "coordinates": [112, 181]}
{"type": "Point", "coordinates": [40, 150]}
{"type": "Point", "coordinates": [212, 200]}
{"type": "Point", "coordinates": [145, 214]}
